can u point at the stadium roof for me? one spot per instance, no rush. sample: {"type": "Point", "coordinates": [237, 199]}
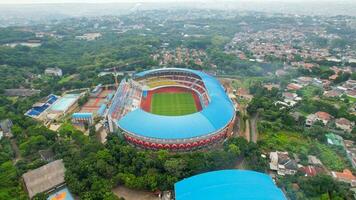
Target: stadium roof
{"type": "Point", "coordinates": [212, 118]}
{"type": "Point", "coordinates": [228, 185]}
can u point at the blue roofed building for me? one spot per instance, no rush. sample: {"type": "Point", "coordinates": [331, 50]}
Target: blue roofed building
{"type": "Point", "coordinates": [228, 185]}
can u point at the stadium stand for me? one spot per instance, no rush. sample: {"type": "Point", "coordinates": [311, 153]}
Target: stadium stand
{"type": "Point", "coordinates": [131, 106]}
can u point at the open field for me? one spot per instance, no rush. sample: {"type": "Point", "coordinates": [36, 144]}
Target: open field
{"type": "Point", "coordinates": [173, 104]}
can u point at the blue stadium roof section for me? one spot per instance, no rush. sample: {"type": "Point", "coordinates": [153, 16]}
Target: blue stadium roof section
{"type": "Point", "coordinates": [228, 185]}
{"type": "Point", "coordinates": [212, 118]}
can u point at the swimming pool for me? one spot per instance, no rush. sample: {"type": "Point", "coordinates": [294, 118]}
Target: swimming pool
{"type": "Point", "coordinates": [62, 104]}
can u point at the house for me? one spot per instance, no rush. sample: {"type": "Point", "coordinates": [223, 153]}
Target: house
{"type": "Point", "coordinates": [333, 93]}
{"type": "Point", "coordinates": [333, 139]}
{"type": "Point", "coordinates": [270, 86]}
{"type": "Point", "coordinates": [345, 176]}
{"type": "Point", "coordinates": [53, 71]}
{"type": "Point", "coordinates": [21, 92]}
{"type": "Point", "coordinates": [311, 170]}
{"type": "Point", "coordinates": [333, 77]}
{"type": "Point", "coordinates": [282, 164]}
{"type": "Point", "coordinates": [313, 160]}
{"type": "Point", "coordinates": [310, 120]}
{"type": "Point", "coordinates": [289, 95]}
{"type": "Point", "coordinates": [294, 86]}
{"type": "Point", "coordinates": [351, 93]}
{"type": "Point", "coordinates": [304, 80]}
{"type": "Point", "coordinates": [350, 149]}
{"type": "Point", "coordinates": [344, 124]}
{"type": "Point", "coordinates": [323, 116]}
{"type": "Point", "coordinates": [46, 155]}
{"type": "Point", "coordinates": [5, 128]}
{"type": "Point", "coordinates": [47, 178]}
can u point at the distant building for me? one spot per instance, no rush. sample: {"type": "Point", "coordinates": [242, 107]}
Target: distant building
{"type": "Point", "coordinates": [294, 86]}
{"type": "Point", "coordinates": [44, 179]}
{"type": "Point", "coordinates": [350, 149]}
{"type": "Point", "coordinates": [344, 124]}
{"type": "Point", "coordinates": [53, 71]}
{"type": "Point", "coordinates": [324, 117]}
{"type": "Point", "coordinates": [282, 164]}
{"type": "Point", "coordinates": [89, 36]}
{"type": "Point", "coordinates": [333, 139]}
{"type": "Point", "coordinates": [21, 92]}
{"type": "Point", "coordinates": [5, 128]}
{"type": "Point", "coordinates": [311, 170]}
{"type": "Point", "coordinates": [46, 155]}
{"type": "Point", "coordinates": [313, 160]}
{"type": "Point", "coordinates": [345, 176]}
{"type": "Point", "coordinates": [332, 93]}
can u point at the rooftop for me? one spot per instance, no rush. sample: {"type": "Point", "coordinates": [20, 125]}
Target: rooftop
{"type": "Point", "coordinates": [44, 178]}
{"type": "Point", "coordinates": [228, 185]}
{"type": "Point", "coordinates": [212, 118]}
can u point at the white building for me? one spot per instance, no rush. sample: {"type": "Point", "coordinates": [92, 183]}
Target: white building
{"type": "Point", "coordinates": [53, 71]}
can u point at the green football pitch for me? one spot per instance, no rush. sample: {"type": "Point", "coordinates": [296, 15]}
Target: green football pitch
{"type": "Point", "coordinates": [173, 104]}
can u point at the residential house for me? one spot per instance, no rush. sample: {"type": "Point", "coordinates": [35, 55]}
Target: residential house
{"type": "Point", "coordinates": [333, 139]}
{"type": "Point", "coordinates": [282, 164]}
{"type": "Point", "coordinates": [5, 128]}
{"type": "Point", "coordinates": [313, 160]}
{"type": "Point", "coordinates": [350, 149]}
{"type": "Point", "coordinates": [324, 117]}
{"type": "Point", "coordinates": [294, 86]}
{"type": "Point", "coordinates": [345, 176]}
{"type": "Point", "coordinates": [311, 170]}
{"type": "Point", "coordinates": [53, 71]}
{"type": "Point", "coordinates": [344, 124]}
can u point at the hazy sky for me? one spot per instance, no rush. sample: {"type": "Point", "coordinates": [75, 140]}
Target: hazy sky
{"type": "Point", "coordinates": [109, 1]}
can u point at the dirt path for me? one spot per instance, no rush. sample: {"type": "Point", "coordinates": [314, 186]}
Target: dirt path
{"type": "Point", "coordinates": [16, 150]}
{"type": "Point", "coordinates": [130, 194]}
{"type": "Point", "coordinates": [254, 131]}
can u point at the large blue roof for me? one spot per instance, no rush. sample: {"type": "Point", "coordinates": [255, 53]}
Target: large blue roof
{"type": "Point", "coordinates": [212, 118]}
{"type": "Point", "coordinates": [228, 185]}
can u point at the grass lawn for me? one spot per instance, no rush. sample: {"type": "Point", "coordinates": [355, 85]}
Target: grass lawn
{"type": "Point", "coordinates": [173, 104]}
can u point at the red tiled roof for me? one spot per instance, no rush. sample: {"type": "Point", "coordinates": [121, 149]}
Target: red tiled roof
{"type": "Point", "coordinates": [343, 121]}
{"type": "Point", "coordinates": [345, 175]}
{"type": "Point", "coordinates": [323, 115]}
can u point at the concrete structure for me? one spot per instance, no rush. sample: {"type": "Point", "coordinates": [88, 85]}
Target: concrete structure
{"type": "Point", "coordinates": [53, 72]}
{"type": "Point", "coordinates": [282, 164]}
{"type": "Point", "coordinates": [184, 132]}
{"type": "Point", "coordinates": [344, 124]}
{"type": "Point", "coordinates": [345, 176]}
{"type": "Point", "coordinates": [5, 128]}
{"type": "Point", "coordinates": [44, 179]}
{"type": "Point", "coordinates": [228, 185]}
{"type": "Point", "coordinates": [324, 117]}
{"type": "Point", "coordinates": [334, 139]}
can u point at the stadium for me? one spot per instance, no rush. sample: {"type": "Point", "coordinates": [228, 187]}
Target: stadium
{"type": "Point", "coordinates": [172, 108]}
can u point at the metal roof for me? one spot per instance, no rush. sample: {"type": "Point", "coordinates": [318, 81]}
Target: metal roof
{"type": "Point", "coordinates": [44, 178]}
{"type": "Point", "coordinates": [212, 118]}
{"type": "Point", "coordinates": [228, 185]}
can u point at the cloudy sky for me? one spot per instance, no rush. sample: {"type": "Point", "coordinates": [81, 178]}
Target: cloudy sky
{"type": "Point", "coordinates": [109, 1]}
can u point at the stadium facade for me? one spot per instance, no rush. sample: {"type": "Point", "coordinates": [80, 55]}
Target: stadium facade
{"type": "Point", "coordinates": [228, 185]}
{"type": "Point", "coordinates": [130, 110]}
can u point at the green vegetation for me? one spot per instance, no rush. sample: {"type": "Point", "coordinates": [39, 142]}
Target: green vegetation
{"type": "Point", "coordinates": [296, 143]}
{"type": "Point", "coordinates": [173, 104]}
